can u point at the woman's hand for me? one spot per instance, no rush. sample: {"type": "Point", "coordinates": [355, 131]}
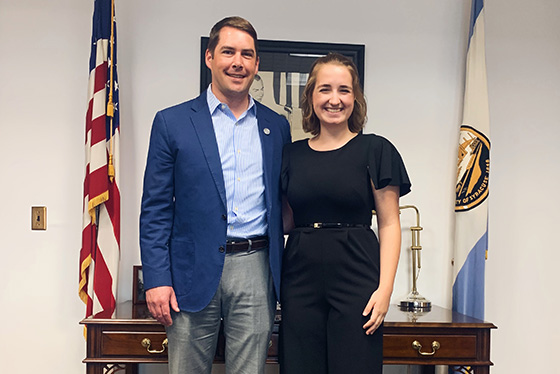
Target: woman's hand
{"type": "Point", "coordinates": [377, 308]}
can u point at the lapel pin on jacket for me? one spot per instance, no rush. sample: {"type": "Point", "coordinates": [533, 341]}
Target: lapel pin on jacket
{"type": "Point", "coordinates": [266, 131]}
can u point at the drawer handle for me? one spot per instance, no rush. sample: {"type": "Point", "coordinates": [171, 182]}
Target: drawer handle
{"type": "Point", "coordinates": [146, 343]}
{"type": "Point", "coordinates": [435, 346]}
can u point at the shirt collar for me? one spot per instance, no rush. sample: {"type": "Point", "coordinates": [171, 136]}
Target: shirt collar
{"type": "Point", "coordinates": [214, 103]}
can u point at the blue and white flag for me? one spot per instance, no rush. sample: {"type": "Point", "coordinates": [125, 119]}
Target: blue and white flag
{"type": "Point", "coordinates": [473, 166]}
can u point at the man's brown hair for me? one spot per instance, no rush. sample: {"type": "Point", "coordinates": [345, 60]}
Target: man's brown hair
{"type": "Point", "coordinates": [235, 22]}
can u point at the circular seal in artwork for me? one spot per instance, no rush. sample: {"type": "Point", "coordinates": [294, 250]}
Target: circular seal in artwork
{"type": "Point", "coordinates": [473, 168]}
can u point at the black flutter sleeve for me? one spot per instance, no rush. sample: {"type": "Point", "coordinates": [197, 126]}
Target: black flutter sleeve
{"type": "Point", "coordinates": [385, 165]}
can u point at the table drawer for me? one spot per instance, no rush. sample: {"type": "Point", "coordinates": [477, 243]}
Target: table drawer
{"type": "Point", "coordinates": [450, 346]}
{"type": "Point", "coordinates": [129, 343]}
{"type": "Point", "coordinates": [126, 343]}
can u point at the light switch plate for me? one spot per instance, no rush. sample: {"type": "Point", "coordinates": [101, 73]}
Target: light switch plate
{"type": "Point", "coordinates": [38, 218]}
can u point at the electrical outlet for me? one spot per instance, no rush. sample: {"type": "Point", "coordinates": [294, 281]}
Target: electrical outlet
{"type": "Point", "coordinates": [38, 218]}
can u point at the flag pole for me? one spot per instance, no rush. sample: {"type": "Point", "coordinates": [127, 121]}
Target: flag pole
{"type": "Point", "coordinates": [110, 105]}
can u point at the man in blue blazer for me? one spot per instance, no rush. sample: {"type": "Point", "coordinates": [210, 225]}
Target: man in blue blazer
{"type": "Point", "coordinates": [211, 233]}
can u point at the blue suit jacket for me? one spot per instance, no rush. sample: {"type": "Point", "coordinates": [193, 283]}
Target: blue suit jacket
{"type": "Point", "coordinates": [183, 219]}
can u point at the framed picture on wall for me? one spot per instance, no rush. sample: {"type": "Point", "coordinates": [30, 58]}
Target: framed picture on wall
{"type": "Point", "coordinates": [283, 71]}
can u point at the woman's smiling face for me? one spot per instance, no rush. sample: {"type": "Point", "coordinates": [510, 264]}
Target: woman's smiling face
{"type": "Point", "coordinates": [333, 95]}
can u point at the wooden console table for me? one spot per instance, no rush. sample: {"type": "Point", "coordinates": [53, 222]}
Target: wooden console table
{"type": "Point", "coordinates": [438, 337]}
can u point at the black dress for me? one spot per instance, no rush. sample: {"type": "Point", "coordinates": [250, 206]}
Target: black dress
{"type": "Point", "coordinates": [329, 274]}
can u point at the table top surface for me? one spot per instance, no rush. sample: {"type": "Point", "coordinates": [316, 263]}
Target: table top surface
{"type": "Point", "coordinates": [436, 317]}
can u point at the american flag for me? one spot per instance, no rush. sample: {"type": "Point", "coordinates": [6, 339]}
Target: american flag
{"type": "Point", "coordinates": [100, 253]}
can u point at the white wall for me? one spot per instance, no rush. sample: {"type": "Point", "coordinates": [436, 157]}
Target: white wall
{"type": "Point", "coordinates": [414, 80]}
{"type": "Point", "coordinates": [523, 53]}
{"type": "Point", "coordinates": [43, 80]}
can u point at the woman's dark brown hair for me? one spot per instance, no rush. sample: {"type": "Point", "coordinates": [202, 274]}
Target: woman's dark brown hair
{"type": "Point", "coordinates": [358, 117]}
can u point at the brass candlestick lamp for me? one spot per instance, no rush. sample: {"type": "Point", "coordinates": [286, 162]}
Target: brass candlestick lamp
{"type": "Point", "coordinates": [414, 301]}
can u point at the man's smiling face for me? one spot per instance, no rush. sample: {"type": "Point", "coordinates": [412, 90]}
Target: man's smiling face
{"type": "Point", "coordinates": [233, 63]}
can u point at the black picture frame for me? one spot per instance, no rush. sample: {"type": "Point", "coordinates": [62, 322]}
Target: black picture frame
{"type": "Point", "coordinates": [284, 66]}
{"type": "Point", "coordinates": [138, 292]}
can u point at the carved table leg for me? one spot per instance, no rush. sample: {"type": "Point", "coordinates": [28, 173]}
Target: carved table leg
{"type": "Point", "coordinates": [471, 370]}
{"type": "Point", "coordinates": [94, 368]}
{"type": "Point", "coordinates": [428, 369]}
{"type": "Point", "coordinates": [131, 369]}
{"type": "Point", "coordinates": [481, 370]}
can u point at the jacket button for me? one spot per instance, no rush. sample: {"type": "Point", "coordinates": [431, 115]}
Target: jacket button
{"type": "Point", "coordinates": [224, 217]}
{"type": "Point", "coordinates": [222, 249]}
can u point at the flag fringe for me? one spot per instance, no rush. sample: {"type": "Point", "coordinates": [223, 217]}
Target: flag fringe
{"type": "Point", "coordinates": [83, 279]}
{"type": "Point", "coordinates": [93, 203]}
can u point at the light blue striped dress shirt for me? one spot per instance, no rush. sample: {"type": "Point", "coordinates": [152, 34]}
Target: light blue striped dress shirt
{"type": "Point", "coordinates": [240, 150]}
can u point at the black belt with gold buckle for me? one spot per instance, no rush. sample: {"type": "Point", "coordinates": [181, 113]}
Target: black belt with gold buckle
{"type": "Point", "coordinates": [333, 225]}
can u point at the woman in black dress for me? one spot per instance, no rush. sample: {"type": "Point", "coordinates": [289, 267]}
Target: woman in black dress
{"type": "Point", "coordinates": [337, 278]}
